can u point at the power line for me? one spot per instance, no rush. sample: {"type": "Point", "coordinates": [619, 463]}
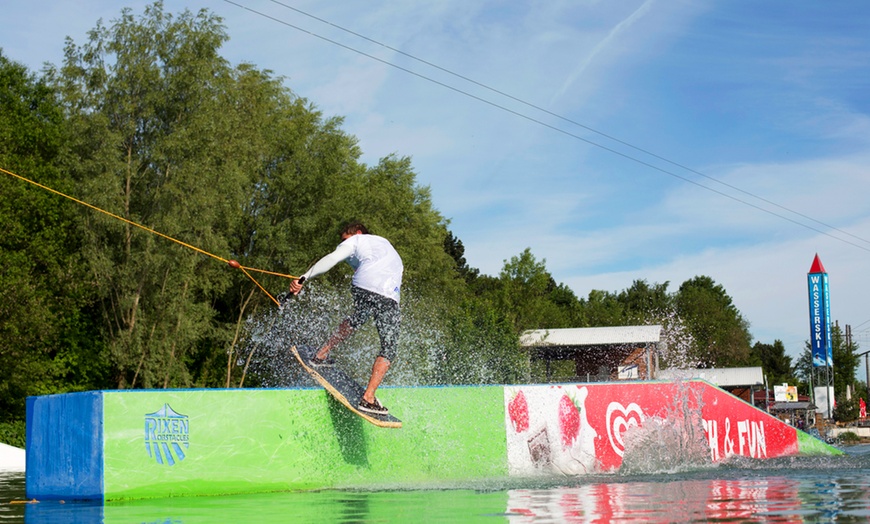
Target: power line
{"type": "Point", "coordinates": [563, 118]}
{"type": "Point", "coordinates": [557, 129]}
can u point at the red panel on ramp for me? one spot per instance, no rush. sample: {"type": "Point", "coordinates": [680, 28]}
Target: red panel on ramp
{"type": "Point", "coordinates": [580, 428]}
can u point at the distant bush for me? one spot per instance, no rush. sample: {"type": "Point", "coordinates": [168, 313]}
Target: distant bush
{"type": "Point", "coordinates": [849, 437]}
{"type": "Point", "coordinates": [846, 410]}
{"type": "Point", "coordinates": [12, 433]}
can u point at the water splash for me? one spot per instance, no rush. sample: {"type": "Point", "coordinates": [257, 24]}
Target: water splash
{"type": "Point", "coordinates": [310, 318]}
{"type": "Point", "coordinates": [678, 344]}
{"type": "Point", "coordinates": [670, 443]}
{"type": "Point", "coordinates": [301, 320]}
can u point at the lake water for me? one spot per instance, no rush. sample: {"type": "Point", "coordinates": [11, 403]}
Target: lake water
{"type": "Point", "coordinates": [797, 489]}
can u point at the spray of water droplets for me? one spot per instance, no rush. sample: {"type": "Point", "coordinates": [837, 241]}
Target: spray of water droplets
{"type": "Point", "coordinates": [310, 318]}
{"type": "Point", "coordinates": [673, 441]}
{"type": "Point", "coordinates": [677, 343]}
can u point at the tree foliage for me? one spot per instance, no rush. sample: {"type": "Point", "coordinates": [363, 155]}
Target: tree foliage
{"type": "Point", "coordinates": [44, 293]}
{"type": "Point", "coordinates": [720, 333]}
{"type": "Point", "coordinates": [776, 365]}
{"type": "Point", "coordinates": [846, 409]}
{"type": "Point", "coordinates": [165, 133]}
{"type": "Point", "coordinates": [846, 362]}
{"type": "Point", "coordinates": [153, 106]}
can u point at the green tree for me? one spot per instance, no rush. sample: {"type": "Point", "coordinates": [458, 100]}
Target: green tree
{"type": "Point", "coordinates": [602, 308]}
{"type": "Point", "coordinates": [524, 294]}
{"type": "Point", "coordinates": [721, 335]}
{"type": "Point", "coordinates": [482, 347]}
{"type": "Point", "coordinates": [803, 369]}
{"type": "Point", "coordinates": [643, 302]}
{"type": "Point", "coordinates": [302, 167]}
{"type": "Point", "coordinates": [155, 139]}
{"type": "Point", "coordinates": [777, 366]}
{"type": "Point", "coordinates": [166, 134]}
{"type": "Point", "coordinates": [148, 121]}
{"type": "Point", "coordinates": [846, 409]}
{"type": "Point", "coordinates": [454, 247]}
{"type": "Point", "coordinates": [44, 293]}
{"type": "Point", "coordinates": [569, 305]}
{"type": "Point", "coordinates": [846, 362]}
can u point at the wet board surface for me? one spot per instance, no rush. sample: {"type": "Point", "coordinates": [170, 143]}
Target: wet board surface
{"type": "Point", "coordinates": [342, 387]}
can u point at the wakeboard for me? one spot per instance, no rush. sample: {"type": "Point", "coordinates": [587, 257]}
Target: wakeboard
{"type": "Point", "coordinates": [343, 388]}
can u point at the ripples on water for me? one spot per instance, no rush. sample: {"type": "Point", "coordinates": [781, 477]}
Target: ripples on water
{"type": "Point", "coordinates": [797, 489]}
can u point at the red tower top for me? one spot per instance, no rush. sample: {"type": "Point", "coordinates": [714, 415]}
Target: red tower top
{"type": "Point", "coordinates": [817, 266]}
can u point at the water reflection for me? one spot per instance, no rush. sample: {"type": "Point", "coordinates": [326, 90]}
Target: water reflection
{"type": "Point", "coordinates": [793, 490]}
{"type": "Point", "coordinates": [770, 499]}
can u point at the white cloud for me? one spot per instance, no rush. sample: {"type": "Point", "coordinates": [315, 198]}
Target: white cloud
{"type": "Point", "coordinates": [614, 32]}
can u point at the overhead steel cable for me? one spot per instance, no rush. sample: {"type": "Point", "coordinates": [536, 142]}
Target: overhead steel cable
{"type": "Point", "coordinates": [558, 116]}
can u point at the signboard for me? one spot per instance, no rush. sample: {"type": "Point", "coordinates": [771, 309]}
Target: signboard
{"type": "Point", "coordinates": [785, 393]}
{"type": "Point", "coordinates": [820, 315]}
{"type": "Point", "coordinates": [824, 395]}
{"type": "Point", "coordinates": [629, 372]}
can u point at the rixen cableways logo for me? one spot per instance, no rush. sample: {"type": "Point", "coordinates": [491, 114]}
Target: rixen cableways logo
{"type": "Point", "coordinates": [167, 435]}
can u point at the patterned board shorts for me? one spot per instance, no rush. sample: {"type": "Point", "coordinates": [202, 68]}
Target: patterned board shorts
{"type": "Point", "coordinates": [385, 312]}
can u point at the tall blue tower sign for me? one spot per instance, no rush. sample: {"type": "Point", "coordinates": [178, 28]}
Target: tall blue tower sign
{"type": "Point", "coordinates": [820, 315]}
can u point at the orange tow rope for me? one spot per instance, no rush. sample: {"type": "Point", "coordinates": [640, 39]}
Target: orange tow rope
{"type": "Point", "coordinates": [232, 263]}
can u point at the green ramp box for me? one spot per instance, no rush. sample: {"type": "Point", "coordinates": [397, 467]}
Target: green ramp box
{"type": "Point", "coordinates": [114, 445]}
{"type": "Point", "coordinates": [118, 445]}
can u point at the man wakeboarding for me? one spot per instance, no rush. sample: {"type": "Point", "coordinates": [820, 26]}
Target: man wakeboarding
{"type": "Point", "coordinates": [375, 287]}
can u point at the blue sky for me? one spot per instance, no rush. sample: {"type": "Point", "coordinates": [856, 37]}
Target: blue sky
{"type": "Point", "coordinates": [742, 133]}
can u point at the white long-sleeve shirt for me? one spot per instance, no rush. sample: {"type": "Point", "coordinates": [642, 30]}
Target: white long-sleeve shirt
{"type": "Point", "coordinates": [377, 266]}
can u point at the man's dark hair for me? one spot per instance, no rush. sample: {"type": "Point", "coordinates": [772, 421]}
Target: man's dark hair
{"type": "Point", "coordinates": [352, 228]}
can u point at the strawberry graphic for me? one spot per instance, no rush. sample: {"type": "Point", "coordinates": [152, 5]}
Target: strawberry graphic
{"type": "Point", "coordinates": [518, 409]}
{"type": "Point", "coordinates": [569, 420]}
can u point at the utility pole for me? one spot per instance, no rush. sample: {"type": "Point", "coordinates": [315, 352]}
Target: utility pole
{"type": "Point", "coordinates": [849, 349]}
{"type": "Point", "coordinates": [866, 370]}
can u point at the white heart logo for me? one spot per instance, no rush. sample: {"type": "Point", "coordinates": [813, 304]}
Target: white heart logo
{"type": "Point", "coordinates": [619, 419]}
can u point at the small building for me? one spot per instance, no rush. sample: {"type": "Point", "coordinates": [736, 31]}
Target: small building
{"type": "Point", "coordinates": [594, 354]}
{"type": "Point", "coordinates": [744, 383]}
{"type": "Point", "coordinates": [800, 413]}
